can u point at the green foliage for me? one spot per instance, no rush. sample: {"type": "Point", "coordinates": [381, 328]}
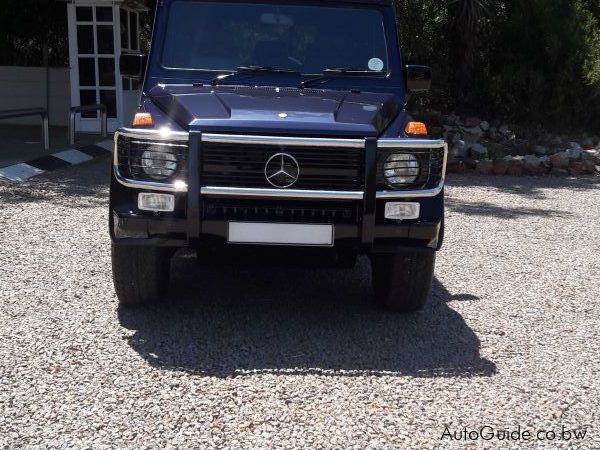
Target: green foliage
{"type": "Point", "coordinates": [545, 63]}
{"type": "Point", "coordinates": [26, 26]}
{"type": "Point", "coordinates": [534, 61]}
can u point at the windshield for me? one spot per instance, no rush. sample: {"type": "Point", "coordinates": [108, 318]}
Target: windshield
{"type": "Point", "coordinates": [308, 39]}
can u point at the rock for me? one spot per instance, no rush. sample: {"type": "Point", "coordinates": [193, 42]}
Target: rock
{"type": "Point", "coordinates": [478, 151]}
{"type": "Point", "coordinates": [515, 159]}
{"type": "Point", "coordinates": [485, 126]}
{"type": "Point", "coordinates": [577, 168]}
{"type": "Point", "coordinates": [470, 163]}
{"type": "Point", "coordinates": [515, 165]}
{"type": "Point", "coordinates": [590, 166]}
{"type": "Point", "coordinates": [472, 122]}
{"type": "Point", "coordinates": [484, 167]}
{"type": "Point", "coordinates": [559, 172]}
{"type": "Point", "coordinates": [459, 150]}
{"type": "Point", "coordinates": [515, 171]}
{"type": "Point", "coordinates": [450, 128]}
{"type": "Point", "coordinates": [592, 156]}
{"type": "Point", "coordinates": [560, 160]}
{"type": "Point", "coordinates": [500, 167]}
{"type": "Point", "coordinates": [546, 165]}
{"type": "Point", "coordinates": [493, 133]}
{"type": "Point", "coordinates": [456, 167]}
{"type": "Point", "coordinates": [495, 151]}
{"type": "Point", "coordinates": [574, 152]}
{"type": "Point", "coordinates": [535, 165]}
{"type": "Point", "coordinates": [472, 134]}
{"type": "Point", "coordinates": [540, 150]}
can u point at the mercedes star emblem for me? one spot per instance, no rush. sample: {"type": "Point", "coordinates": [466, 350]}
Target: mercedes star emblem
{"type": "Point", "coordinates": [282, 170]}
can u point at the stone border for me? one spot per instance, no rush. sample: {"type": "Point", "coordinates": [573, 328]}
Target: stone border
{"type": "Point", "coordinates": [477, 146]}
{"type": "Point", "coordinates": [573, 161]}
{"type": "Point", "coordinates": [59, 160]}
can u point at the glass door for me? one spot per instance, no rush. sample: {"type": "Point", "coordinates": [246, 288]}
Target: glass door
{"type": "Point", "coordinates": [94, 63]}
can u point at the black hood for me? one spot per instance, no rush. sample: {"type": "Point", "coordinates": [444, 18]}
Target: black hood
{"type": "Point", "coordinates": [277, 110]}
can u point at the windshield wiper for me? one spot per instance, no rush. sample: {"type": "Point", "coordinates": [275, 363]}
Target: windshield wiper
{"type": "Point", "coordinates": [330, 74]}
{"type": "Point", "coordinates": [244, 70]}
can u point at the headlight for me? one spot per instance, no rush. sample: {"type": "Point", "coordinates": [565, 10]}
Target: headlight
{"type": "Point", "coordinates": [154, 161]}
{"type": "Point", "coordinates": [159, 164]}
{"type": "Point", "coordinates": [401, 168]}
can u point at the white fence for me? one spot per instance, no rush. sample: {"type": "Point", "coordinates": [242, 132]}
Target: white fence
{"type": "Point", "coordinates": [25, 87]}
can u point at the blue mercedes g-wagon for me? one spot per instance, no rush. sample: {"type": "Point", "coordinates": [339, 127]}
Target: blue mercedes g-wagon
{"type": "Point", "coordinates": [277, 123]}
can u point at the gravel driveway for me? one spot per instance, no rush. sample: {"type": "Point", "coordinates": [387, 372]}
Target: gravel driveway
{"type": "Point", "coordinates": [257, 357]}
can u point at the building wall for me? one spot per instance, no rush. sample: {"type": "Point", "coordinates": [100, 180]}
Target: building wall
{"type": "Point", "coordinates": [25, 87]}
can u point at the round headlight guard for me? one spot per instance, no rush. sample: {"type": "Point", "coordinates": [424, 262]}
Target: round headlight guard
{"type": "Point", "coordinates": [159, 164]}
{"type": "Point", "coordinates": [401, 169]}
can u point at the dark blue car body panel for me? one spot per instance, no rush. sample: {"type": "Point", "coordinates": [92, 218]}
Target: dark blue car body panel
{"type": "Point", "coordinates": [257, 110]}
{"type": "Point", "coordinates": [343, 106]}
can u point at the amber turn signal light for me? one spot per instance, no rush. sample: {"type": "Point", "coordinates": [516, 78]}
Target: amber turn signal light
{"type": "Point", "coordinates": [142, 120]}
{"type": "Point", "coordinates": [417, 128]}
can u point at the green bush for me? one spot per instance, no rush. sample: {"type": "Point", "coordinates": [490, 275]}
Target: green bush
{"type": "Point", "coordinates": [533, 61]}
{"type": "Point", "coordinates": [26, 26]}
{"type": "Point", "coordinates": [544, 63]}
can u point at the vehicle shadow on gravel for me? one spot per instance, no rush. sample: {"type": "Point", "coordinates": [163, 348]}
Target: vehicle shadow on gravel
{"type": "Point", "coordinates": [527, 186]}
{"type": "Point", "coordinates": [502, 212]}
{"type": "Point", "coordinates": [521, 189]}
{"type": "Point", "coordinates": [239, 319]}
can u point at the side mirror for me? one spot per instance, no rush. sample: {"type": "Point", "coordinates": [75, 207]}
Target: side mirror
{"type": "Point", "coordinates": [418, 78]}
{"type": "Point", "coordinates": [133, 65]}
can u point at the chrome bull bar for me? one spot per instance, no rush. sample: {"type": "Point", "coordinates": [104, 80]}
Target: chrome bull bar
{"type": "Point", "coordinates": [218, 191]}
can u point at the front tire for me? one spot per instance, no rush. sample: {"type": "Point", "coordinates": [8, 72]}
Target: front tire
{"type": "Point", "coordinates": [402, 281]}
{"type": "Point", "coordinates": [140, 274]}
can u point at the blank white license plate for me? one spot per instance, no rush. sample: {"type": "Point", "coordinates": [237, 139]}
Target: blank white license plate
{"type": "Point", "coordinates": [280, 234]}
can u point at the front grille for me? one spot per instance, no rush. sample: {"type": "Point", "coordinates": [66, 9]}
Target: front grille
{"type": "Point", "coordinates": [431, 163]}
{"type": "Point", "coordinates": [129, 158]}
{"type": "Point", "coordinates": [320, 168]}
{"type": "Point", "coordinates": [276, 211]}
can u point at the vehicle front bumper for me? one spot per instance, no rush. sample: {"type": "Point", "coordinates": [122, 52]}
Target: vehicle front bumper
{"type": "Point", "coordinates": [189, 226]}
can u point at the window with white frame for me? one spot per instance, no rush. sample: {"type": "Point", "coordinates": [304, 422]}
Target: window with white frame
{"type": "Point", "coordinates": [96, 58]}
{"type": "Point", "coordinates": [130, 40]}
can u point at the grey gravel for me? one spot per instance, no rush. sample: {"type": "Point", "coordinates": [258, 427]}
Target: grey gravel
{"type": "Point", "coordinates": [248, 356]}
